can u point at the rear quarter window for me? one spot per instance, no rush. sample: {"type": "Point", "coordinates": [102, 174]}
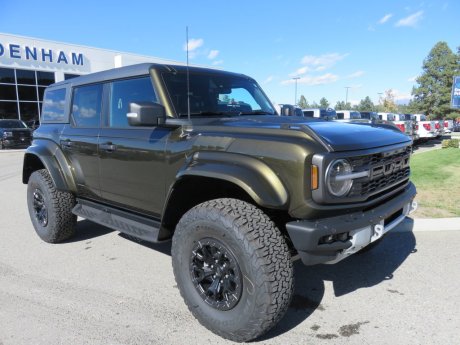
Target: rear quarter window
{"type": "Point", "coordinates": [54, 106]}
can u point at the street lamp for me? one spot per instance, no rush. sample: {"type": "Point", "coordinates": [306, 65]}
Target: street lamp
{"type": "Point", "coordinates": [295, 94]}
{"type": "Point", "coordinates": [346, 95]}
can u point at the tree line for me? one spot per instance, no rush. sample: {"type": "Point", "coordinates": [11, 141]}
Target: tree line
{"type": "Point", "coordinates": [431, 94]}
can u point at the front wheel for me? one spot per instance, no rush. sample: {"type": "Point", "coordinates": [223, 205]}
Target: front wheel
{"type": "Point", "coordinates": [50, 210]}
{"type": "Point", "coordinates": [233, 268]}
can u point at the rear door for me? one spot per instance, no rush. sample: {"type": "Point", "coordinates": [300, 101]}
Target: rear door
{"type": "Point", "coordinates": [132, 158]}
{"type": "Point", "coordinates": [79, 139]}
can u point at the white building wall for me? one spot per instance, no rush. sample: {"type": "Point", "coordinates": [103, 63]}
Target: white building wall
{"type": "Point", "coordinates": [37, 54]}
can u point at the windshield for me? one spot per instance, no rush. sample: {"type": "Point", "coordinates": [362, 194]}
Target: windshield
{"type": "Point", "coordinates": [214, 94]}
{"type": "Point", "coordinates": [12, 124]}
{"type": "Point", "coordinates": [330, 113]}
{"type": "Point", "coordinates": [369, 115]}
{"type": "Point", "coordinates": [355, 115]}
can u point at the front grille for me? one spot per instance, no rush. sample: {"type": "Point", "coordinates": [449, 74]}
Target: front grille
{"type": "Point", "coordinates": [387, 170]}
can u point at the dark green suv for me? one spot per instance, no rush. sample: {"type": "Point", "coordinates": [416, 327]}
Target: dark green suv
{"type": "Point", "coordinates": [201, 157]}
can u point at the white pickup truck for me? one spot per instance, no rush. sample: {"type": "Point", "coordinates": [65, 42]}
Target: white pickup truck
{"type": "Point", "coordinates": [426, 129]}
{"type": "Point", "coordinates": [400, 121]}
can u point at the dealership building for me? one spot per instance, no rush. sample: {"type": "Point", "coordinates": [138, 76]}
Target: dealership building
{"type": "Point", "coordinates": [28, 65]}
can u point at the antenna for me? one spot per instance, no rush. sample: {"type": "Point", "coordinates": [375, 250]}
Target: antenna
{"type": "Point", "coordinates": [188, 77]}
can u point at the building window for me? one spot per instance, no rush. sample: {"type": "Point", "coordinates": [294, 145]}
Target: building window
{"type": "Point", "coordinates": [21, 93]}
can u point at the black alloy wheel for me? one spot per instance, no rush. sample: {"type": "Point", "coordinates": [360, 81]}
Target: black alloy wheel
{"type": "Point", "coordinates": [215, 274]}
{"type": "Point", "coordinates": [40, 209]}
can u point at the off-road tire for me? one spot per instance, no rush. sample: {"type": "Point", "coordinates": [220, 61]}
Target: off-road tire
{"type": "Point", "coordinates": [263, 258]}
{"type": "Point", "coordinates": [60, 224]}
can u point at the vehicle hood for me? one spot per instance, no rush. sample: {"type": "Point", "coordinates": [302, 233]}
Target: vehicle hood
{"type": "Point", "coordinates": [336, 135]}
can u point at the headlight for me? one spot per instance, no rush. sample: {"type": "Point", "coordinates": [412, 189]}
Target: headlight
{"type": "Point", "coordinates": [339, 178]}
{"type": "Point", "coordinates": [7, 134]}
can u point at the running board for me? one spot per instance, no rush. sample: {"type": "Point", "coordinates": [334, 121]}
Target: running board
{"type": "Point", "coordinates": [141, 227]}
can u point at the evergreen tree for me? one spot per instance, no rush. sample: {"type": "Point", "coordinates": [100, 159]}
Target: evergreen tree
{"type": "Point", "coordinates": [303, 103]}
{"type": "Point", "coordinates": [432, 94]}
{"type": "Point", "coordinates": [366, 104]}
{"type": "Point", "coordinates": [341, 105]}
{"type": "Point", "coordinates": [324, 103]}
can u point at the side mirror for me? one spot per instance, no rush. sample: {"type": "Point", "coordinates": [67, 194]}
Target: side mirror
{"type": "Point", "coordinates": [146, 114]}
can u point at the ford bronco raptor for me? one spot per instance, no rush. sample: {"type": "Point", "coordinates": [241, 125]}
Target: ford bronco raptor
{"type": "Point", "coordinates": [201, 157]}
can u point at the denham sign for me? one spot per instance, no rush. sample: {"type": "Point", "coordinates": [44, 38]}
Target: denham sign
{"type": "Point", "coordinates": [24, 52]}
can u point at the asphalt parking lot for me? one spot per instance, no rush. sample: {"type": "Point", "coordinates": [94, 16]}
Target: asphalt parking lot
{"type": "Point", "coordinates": [105, 288]}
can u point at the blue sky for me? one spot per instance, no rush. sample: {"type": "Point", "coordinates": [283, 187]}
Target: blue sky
{"type": "Point", "coordinates": [366, 45]}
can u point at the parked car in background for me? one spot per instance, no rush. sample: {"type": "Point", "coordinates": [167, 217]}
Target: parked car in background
{"type": "Point", "coordinates": [320, 113]}
{"type": "Point", "coordinates": [370, 115]}
{"type": "Point", "coordinates": [14, 133]}
{"type": "Point", "coordinates": [34, 124]}
{"type": "Point", "coordinates": [439, 126]}
{"type": "Point", "coordinates": [400, 121]}
{"type": "Point", "coordinates": [289, 110]}
{"type": "Point", "coordinates": [414, 123]}
{"type": "Point", "coordinates": [425, 128]}
{"type": "Point", "coordinates": [348, 115]}
{"type": "Point", "coordinates": [448, 126]}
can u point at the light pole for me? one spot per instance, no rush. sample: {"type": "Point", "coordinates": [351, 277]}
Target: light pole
{"type": "Point", "coordinates": [380, 97]}
{"type": "Point", "coordinates": [295, 94]}
{"type": "Point", "coordinates": [346, 94]}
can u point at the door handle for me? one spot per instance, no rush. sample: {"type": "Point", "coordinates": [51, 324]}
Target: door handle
{"type": "Point", "coordinates": [109, 147]}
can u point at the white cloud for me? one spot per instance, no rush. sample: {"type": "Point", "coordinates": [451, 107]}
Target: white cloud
{"type": "Point", "coordinates": [385, 18]}
{"type": "Point", "coordinates": [355, 75]}
{"type": "Point", "coordinates": [325, 59]}
{"type": "Point", "coordinates": [327, 78]}
{"type": "Point", "coordinates": [411, 20]}
{"type": "Point", "coordinates": [193, 44]}
{"type": "Point", "coordinates": [300, 71]}
{"type": "Point", "coordinates": [401, 97]}
{"type": "Point", "coordinates": [269, 79]}
{"type": "Point", "coordinates": [322, 62]}
{"type": "Point", "coordinates": [213, 54]}
{"type": "Point", "coordinates": [413, 79]}
{"type": "Point", "coordinates": [217, 62]}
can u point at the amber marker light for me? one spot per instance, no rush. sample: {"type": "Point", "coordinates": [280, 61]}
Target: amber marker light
{"type": "Point", "coordinates": [314, 177]}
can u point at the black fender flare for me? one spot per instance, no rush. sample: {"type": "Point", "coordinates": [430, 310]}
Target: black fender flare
{"type": "Point", "coordinates": [53, 159]}
{"type": "Point", "coordinates": [252, 175]}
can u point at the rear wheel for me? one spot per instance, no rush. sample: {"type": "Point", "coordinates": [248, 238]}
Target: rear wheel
{"type": "Point", "coordinates": [50, 210]}
{"type": "Point", "coordinates": [233, 268]}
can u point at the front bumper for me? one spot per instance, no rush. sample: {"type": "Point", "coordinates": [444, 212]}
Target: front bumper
{"type": "Point", "coordinates": [330, 240]}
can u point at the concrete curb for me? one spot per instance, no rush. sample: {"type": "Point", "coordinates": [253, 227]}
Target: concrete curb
{"type": "Point", "coordinates": [432, 224]}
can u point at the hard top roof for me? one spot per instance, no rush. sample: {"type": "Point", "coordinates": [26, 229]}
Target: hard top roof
{"type": "Point", "coordinates": [135, 70]}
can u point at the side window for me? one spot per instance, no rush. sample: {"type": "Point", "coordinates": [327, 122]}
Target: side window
{"type": "Point", "coordinates": [308, 113]}
{"type": "Point", "coordinates": [124, 92]}
{"type": "Point", "coordinates": [86, 106]}
{"type": "Point", "coordinates": [340, 116]}
{"type": "Point", "coordinates": [54, 106]}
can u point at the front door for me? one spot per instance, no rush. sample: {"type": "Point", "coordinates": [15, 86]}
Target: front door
{"type": "Point", "coordinates": [132, 159]}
